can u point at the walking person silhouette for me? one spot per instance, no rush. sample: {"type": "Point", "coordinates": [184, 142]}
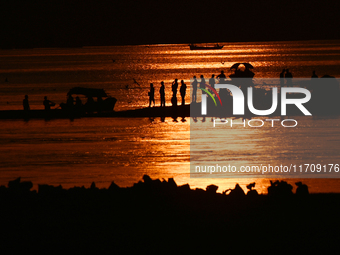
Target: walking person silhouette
{"type": "Point", "coordinates": [151, 95]}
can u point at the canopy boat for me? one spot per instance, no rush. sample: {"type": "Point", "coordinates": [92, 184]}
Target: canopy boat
{"type": "Point", "coordinates": [213, 47]}
{"type": "Point", "coordinates": [100, 105]}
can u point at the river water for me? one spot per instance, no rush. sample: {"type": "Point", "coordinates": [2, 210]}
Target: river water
{"type": "Point", "coordinates": [81, 151]}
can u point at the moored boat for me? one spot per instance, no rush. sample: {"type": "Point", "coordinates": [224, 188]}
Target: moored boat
{"type": "Point", "coordinates": [213, 47]}
{"type": "Point", "coordinates": [104, 102]}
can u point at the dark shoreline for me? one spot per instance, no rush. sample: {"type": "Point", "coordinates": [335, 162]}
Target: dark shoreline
{"type": "Point", "coordinates": [179, 111]}
{"type": "Point", "coordinates": [159, 216]}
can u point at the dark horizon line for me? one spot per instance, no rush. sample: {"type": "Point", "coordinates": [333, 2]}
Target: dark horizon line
{"type": "Point", "coordinates": [162, 42]}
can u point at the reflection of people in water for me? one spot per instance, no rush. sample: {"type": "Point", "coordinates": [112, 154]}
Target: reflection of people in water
{"type": "Point", "coordinates": [151, 95]}
{"type": "Point", "coordinates": [221, 77]}
{"type": "Point", "coordinates": [162, 93]}
{"type": "Point", "coordinates": [282, 77]}
{"type": "Point", "coordinates": [47, 103]}
{"type": "Point", "coordinates": [289, 77]}
{"type": "Point", "coordinates": [183, 90]}
{"type": "Point", "coordinates": [212, 81]}
{"type": "Point", "coordinates": [194, 89]}
{"type": "Point", "coordinates": [26, 104]}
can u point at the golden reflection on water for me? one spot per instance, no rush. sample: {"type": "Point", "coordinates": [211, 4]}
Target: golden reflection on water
{"type": "Point", "coordinates": [313, 141]}
{"type": "Point", "coordinates": [102, 150]}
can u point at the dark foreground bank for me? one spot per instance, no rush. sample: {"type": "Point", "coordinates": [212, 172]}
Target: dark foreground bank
{"type": "Point", "coordinates": [155, 216]}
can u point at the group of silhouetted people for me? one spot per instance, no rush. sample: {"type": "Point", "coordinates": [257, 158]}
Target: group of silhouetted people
{"type": "Point", "coordinates": [286, 78]}
{"type": "Point", "coordinates": [204, 85]}
{"type": "Point", "coordinates": [174, 89]}
{"type": "Point", "coordinates": [47, 104]}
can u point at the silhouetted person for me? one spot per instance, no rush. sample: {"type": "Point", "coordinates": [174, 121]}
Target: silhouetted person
{"type": "Point", "coordinates": [247, 73]}
{"type": "Point", "coordinates": [282, 77]}
{"type": "Point", "coordinates": [221, 77]}
{"type": "Point", "coordinates": [202, 84]}
{"type": "Point", "coordinates": [99, 100]}
{"type": "Point", "coordinates": [194, 89]}
{"type": "Point", "coordinates": [162, 93]}
{"type": "Point", "coordinates": [314, 75]}
{"type": "Point", "coordinates": [70, 101]}
{"type": "Point", "coordinates": [79, 103]}
{"type": "Point", "coordinates": [47, 103]}
{"type": "Point", "coordinates": [237, 192]}
{"type": "Point", "coordinates": [251, 192]}
{"type": "Point", "coordinates": [212, 81]}
{"type": "Point", "coordinates": [151, 95]}
{"type": "Point", "coordinates": [183, 90]}
{"type": "Point", "coordinates": [90, 100]}
{"type": "Point", "coordinates": [314, 82]}
{"type": "Point", "coordinates": [174, 92]}
{"type": "Point", "coordinates": [89, 105]}
{"type": "Point", "coordinates": [238, 73]}
{"type": "Point", "coordinates": [289, 77]}
{"type": "Point", "coordinates": [302, 189]}
{"type": "Point", "coordinates": [174, 87]}
{"type": "Point", "coordinates": [279, 189]}
{"type": "Point", "coordinates": [26, 104]}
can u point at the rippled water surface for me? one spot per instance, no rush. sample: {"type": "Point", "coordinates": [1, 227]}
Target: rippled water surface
{"type": "Point", "coordinates": [102, 149]}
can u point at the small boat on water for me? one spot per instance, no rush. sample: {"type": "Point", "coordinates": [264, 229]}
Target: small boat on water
{"type": "Point", "coordinates": [213, 47]}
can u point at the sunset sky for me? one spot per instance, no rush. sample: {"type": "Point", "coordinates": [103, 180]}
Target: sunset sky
{"type": "Point", "coordinates": [82, 23]}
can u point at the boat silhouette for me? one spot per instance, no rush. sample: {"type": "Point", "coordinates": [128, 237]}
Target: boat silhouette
{"type": "Point", "coordinates": [100, 105]}
{"type": "Point", "coordinates": [213, 47]}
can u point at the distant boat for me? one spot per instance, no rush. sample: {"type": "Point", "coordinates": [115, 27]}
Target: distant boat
{"type": "Point", "coordinates": [214, 47]}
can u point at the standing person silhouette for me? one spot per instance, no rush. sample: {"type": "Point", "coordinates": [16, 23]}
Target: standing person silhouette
{"type": "Point", "coordinates": [183, 91]}
{"type": "Point", "coordinates": [194, 89]}
{"type": "Point", "coordinates": [151, 95]}
{"type": "Point", "coordinates": [70, 101]}
{"type": "Point", "coordinates": [202, 84]}
{"type": "Point", "coordinates": [26, 104]}
{"type": "Point", "coordinates": [174, 92]}
{"type": "Point", "coordinates": [282, 77]}
{"type": "Point", "coordinates": [221, 77]}
{"type": "Point", "coordinates": [212, 81]}
{"type": "Point", "coordinates": [162, 93]}
{"type": "Point", "coordinates": [47, 103]}
{"type": "Point", "coordinates": [314, 82]}
{"type": "Point", "coordinates": [314, 75]}
{"type": "Point", "coordinates": [289, 78]}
